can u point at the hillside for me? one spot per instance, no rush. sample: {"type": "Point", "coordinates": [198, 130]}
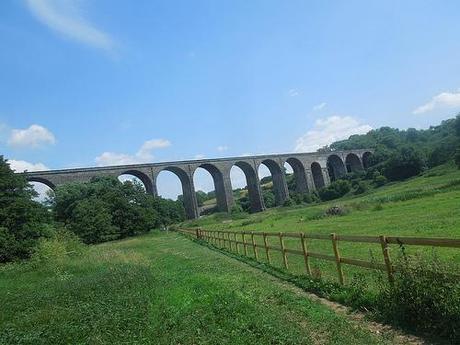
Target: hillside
{"type": "Point", "coordinates": [425, 206]}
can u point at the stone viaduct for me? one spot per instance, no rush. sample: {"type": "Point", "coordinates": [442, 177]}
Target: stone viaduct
{"type": "Point", "coordinates": [311, 171]}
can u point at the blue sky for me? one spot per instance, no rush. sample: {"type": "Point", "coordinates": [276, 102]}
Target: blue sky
{"type": "Point", "coordinates": [102, 82]}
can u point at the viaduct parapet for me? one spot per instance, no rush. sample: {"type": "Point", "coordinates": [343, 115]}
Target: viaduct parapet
{"type": "Point", "coordinates": [311, 171]}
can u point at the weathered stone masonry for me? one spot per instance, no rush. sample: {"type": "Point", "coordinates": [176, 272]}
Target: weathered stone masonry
{"type": "Point", "coordinates": [311, 171]}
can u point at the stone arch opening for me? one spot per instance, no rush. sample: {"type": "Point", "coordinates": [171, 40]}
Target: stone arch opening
{"type": "Point", "coordinates": [317, 174]}
{"type": "Point", "coordinates": [278, 178]}
{"type": "Point", "coordinates": [214, 187]}
{"type": "Point", "coordinates": [43, 188]}
{"type": "Point", "coordinates": [353, 163]}
{"type": "Point", "coordinates": [299, 182]}
{"type": "Point", "coordinates": [367, 159]}
{"type": "Point", "coordinates": [335, 167]}
{"type": "Point", "coordinates": [139, 177]}
{"type": "Point", "coordinates": [245, 179]}
{"type": "Point", "coordinates": [186, 186]}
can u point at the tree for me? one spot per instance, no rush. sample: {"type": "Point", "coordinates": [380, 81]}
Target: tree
{"type": "Point", "coordinates": [22, 221]}
{"type": "Point", "coordinates": [123, 209]}
{"type": "Point", "coordinates": [406, 162]}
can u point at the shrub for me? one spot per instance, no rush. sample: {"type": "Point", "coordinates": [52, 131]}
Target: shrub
{"type": "Point", "coordinates": [425, 295]}
{"type": "Point", "coordinates": [379, 180]}
{"type": "Point", "coordinates": [236, 209]}
{"type": "Point", "coordinates": [361, 187]}
{"type": "Point", "coordinates": [335, 190]}
{"type": "Point", "coordinates": [288, 202]}
{"type": "Point", "coordinates": [269, 198]}
{"type": "Point", "coordinates": [336, 211]}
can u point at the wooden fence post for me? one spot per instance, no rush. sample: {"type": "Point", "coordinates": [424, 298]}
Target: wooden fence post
{"type": "Point", "coordinates": [266, 248]}
{"type": "Point", "coordinates": [235, 237]}
{"type": "Point", "coordinates": [244, 245]}
{"type": "Point", "coordinates": [337, 258]}
{"type": "Point", "coordinates": [305, 253]}
{"type": "Point", "coordinates": [283, 251]}
{"type": "Point", "coordinates": [229, 240]}
{"type": "Point", "coordinates": [254, 247]}
{"type": "Point", "coordinates": [197, 233]}
{"type": "Point", "coordinates": [386, 257]}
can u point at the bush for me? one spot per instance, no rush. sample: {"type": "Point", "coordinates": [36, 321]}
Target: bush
{"type": "Point", "coordinates": [361, 187]}
{"type": "Point", "coordinates": [236, 209]}
{"type": "Point", "coordinates": [53, 250]}
{"type": "Point", "coordinates": [335, 190]}
{"type": "Point", "coordinates": [379, 180]}
{"type": "Point", "coordinates": [425, 295]}
{"type": "Point", "coordinates": [269, 198]}
{"type": "Point", "coordinates": [288, 202]}
{"type": "Point", "coordinates": [336, 211]}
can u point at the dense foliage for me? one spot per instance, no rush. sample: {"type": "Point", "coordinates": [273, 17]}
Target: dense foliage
{"type": "Point", "coordinates": [404, 153]}
{"type": "Point", "coordinates": [22, 221]}
{"type": "Point", "coordinates": [105, 209]}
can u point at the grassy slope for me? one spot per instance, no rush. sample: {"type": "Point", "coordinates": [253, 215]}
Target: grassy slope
{"type": "Point", "coordinates": [160, 289]}
{"type": "Point", "coordinates": [425, 206]}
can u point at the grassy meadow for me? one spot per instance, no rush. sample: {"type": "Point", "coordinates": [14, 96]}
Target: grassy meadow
{"type": "Point", "coordinates": [424, 206]}
{"type": "Point", "coordinates": [161, 288]}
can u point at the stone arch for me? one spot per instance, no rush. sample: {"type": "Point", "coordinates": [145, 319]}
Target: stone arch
{"type": "Point", "coordinates": [144, 178]}
{"type": "Point", "coordinates": [353, 163]}
{"type": "Point", "coordinates": [300, 175]}
{"type": "Point", "coordinates": [252, 183]}
{"type": "Point", "coordinates": [42, 180]}
{"type": "Point", "coordinates": [366, 159]}
{"type": "Point", "coordinates": [279, 180]}
{"type": "Point", "coordinates": [317, 174]}
{"type": "Point", "coordinates": [188, 190]}
{"type": "Point", "coordinates": [336, 167]}
{"type": "Point", "coordinates": [223, 200]}
{"type": "Point", "coordinates": [42, 187]}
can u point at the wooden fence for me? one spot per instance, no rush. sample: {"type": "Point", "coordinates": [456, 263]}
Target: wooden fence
{"type": "Point", "coordinates": [244, 241]}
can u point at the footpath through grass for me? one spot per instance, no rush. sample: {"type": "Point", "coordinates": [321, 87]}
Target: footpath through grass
{"type": "Point", "coordinates": [161, 289]}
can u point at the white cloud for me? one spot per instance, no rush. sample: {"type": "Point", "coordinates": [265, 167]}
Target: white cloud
{"type": "Point", "coordinates": [222, 148]}
{"type": "Point", "coordinates": [66, 18]}
{"type": "Point", "coordinates": [21, 166]}
{"type": "Point", "coordinates": [31, 137]}
{"type": "Point", "coordinates": [143, 155]}
{"type": "Point", "coordinates": [328, 130]}
{"type": "Point", "coordinates": [443, 100]}
{"type": "Point", "coordinates": [293, 92]}
{"type": "Point", "coordinates": [199, 156]}
{"type": "Point", "coordinates": [319, 106]}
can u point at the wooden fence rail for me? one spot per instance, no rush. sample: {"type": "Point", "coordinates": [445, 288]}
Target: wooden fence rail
{"type": "Point", "coordinates": [229, 239]}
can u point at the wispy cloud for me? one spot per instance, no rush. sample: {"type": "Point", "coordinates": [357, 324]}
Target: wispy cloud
{"type": "Point", "coordinates": [66, 18]}
{"type": "Point", "coordinates": [21, 166]}
{"type": "Point", "coordinates": [222, 148]}
{"type": "Point", "coordinates": [319, 106]}
{"type": "Point", "coordinates": [293, 92]}
{"type": "Point", "coordinates": [32, 137]}
{"type": "Point", "coordinates": [443, 100]}
{"type": "Point", "coordinates": [328, 130]}
{"type": "Point", "coordinates": [143, 155]}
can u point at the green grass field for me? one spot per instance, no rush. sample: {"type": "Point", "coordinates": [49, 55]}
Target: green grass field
{"type": "Point", "coordinates": [424, 206]}
{"type": "Point", "coordinates": [161, 288]}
